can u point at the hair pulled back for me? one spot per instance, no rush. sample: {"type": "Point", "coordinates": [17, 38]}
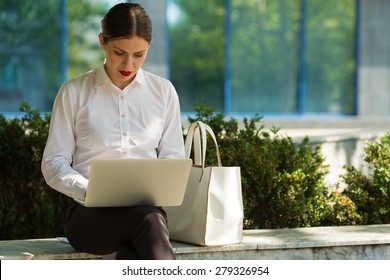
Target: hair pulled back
{"type": "Point", "coordinates": [126, 20]}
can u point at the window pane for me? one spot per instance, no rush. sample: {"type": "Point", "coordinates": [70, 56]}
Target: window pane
{"type": "Point", "coordinates": [29, 53]}
{"type": "Point", "coordinates": [30, 50]}
{"type": "Point", "coordinates": [197, 56]}
{"type": "Point", "coordinates": [265, 55]}
{"type": "Point", "coordinates": [83, 26]}
{"type": "Point", "coordinates": [330, 57]}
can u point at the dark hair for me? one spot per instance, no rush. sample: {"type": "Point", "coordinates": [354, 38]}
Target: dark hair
{"type": "Point", "coordinates": [126, 20]}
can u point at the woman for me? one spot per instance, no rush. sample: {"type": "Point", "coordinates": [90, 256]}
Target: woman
{"type": "Point", "coordinates": [115, 111]}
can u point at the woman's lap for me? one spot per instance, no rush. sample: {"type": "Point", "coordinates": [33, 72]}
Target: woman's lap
{"type": "Point", "coordinates": [104, 230]}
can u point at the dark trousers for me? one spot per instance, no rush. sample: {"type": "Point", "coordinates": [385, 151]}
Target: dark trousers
{"type": "Point", "coordinates": [131, 232]}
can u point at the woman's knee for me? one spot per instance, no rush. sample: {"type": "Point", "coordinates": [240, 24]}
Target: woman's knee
{"type": "Point", "coordinates": [152, 223]}
{"type": "Point", "coordinates": [155, 218]}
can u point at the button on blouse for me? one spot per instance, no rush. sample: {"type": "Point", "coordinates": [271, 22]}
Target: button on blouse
{"type": "Point", "coordinates": [92, 118]}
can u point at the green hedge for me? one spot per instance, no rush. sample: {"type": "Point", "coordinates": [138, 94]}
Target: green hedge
{"type": "Point", "coordinates": [371, 193]}
{"type": "Point", "coordinates": [283, 182]}
{"type": "Point", "coordinates": [28, 207]}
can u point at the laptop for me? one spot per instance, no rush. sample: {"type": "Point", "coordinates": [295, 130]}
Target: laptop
{"type": "Point", "coordinates": [137, 182]}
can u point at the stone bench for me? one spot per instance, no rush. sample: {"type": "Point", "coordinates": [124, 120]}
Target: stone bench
{"type": "Point", "coordinates": [318, 243]}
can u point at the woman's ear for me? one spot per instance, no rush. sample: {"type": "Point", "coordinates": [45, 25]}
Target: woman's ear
{"type": "Point", "coordinates": [101, 41]}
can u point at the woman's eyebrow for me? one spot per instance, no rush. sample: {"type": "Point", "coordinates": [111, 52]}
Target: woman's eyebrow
{"type": "Point", "coordinates": [139, 52]}
{"type": "Point", "coordinates": [119, 49]}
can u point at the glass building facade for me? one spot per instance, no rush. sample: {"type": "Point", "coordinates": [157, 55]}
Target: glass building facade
{"type": "Point", "coordinates": [272, 57]}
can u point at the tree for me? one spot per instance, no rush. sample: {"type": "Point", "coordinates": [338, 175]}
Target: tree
{"type": "Point", "coordinates": [30, 42]}
{"type": "Point", "coordinates": [84, 18]}
{"type": "Point", "coordinates": [265, 57]}
{"type": "Point", "coordinates": [31, 45]}
{"type": "Point", "coordinates": [197, 56]}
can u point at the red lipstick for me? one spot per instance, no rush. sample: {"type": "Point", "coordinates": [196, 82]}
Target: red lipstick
{"type": "Point", "coordinates": [125, 73]}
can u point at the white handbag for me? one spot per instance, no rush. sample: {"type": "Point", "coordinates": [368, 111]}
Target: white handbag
{"type": "Point", "coordinates": [212, 209]}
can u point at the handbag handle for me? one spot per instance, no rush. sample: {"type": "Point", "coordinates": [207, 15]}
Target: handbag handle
{"type": "Point", "coordinates": [197, 132]}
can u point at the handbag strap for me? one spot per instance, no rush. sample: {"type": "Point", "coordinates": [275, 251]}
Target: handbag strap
{"type": "Point", "coordinates": [191, 134]}
{"type": "Point", "coordinates": [197, 132]}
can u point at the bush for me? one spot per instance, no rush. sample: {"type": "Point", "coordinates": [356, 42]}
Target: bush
{"type": "Point", "coordinates": [371, 193]}
{"type": "Point", "coordinates": [283, 182]}
{"type": "Point", "coordinates": [28, 207]}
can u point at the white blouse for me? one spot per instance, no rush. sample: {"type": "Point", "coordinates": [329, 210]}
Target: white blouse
{"type": "Point", "coordinates": [92, 118]}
